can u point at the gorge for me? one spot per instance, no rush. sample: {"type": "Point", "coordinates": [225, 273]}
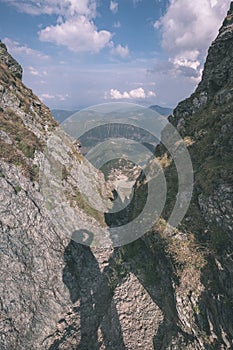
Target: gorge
{"type": "Point", "coordinates": [170, 289]}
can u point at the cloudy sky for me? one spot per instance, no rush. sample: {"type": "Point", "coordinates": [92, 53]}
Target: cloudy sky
{"type": "Point", "coordinates": [76, 53]}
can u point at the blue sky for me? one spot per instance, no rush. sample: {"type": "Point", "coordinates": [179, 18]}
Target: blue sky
{"type": "Point", "coordinates": [77, 53]}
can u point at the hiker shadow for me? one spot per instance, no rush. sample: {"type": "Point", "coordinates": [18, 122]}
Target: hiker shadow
{"type": "Point", "coordinates": [99, 323]}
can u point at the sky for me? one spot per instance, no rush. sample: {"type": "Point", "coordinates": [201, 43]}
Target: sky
{"type": "Point", "coordinates": [78, 53]}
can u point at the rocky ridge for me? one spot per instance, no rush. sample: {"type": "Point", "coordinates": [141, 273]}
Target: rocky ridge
{"type": "Point", "coordinates": [217, 78]}
{"type": "Point", "coordinates": [33, 295]}
{"type": "Point", "coordinates": [10, 62]}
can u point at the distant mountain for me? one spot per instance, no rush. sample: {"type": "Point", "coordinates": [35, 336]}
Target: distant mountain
{"type": "Point", "coordinates": [165, 111]}
{"type": "Point", "coordinates": [61, 114]}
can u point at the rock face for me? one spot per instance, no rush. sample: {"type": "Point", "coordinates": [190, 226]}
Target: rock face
{"type": "Point", "coordinates": [205, 122]}
{"type": "Point", "coordinates": [33, 294]}
{"type": "Point", "coordinates": [206, 118]}
{"type": "Point", "coordinates": [10, 62]}
{"type": "Point", "coordinates": [171, 289]}
{"type": "Point", "coordinates": [217, 76]}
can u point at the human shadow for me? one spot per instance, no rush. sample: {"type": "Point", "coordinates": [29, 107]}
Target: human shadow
{"type": "Point", "coordinates": [94, 290]}
{"type": "Point", "coordinates": [90, 286]}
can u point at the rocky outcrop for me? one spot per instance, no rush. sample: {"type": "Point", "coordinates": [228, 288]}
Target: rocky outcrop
{"type": "Point", "coordinates": [217, 71]}
{"type": "Point", "coordinates": [10, 62]}
{"type": "Point", "coordinates": [217, 79]}
{"type": "Point", "coordinates": [205, 121]}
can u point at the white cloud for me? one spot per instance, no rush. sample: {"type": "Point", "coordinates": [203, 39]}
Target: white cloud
{"type": "Point", "coordinates": [177, 68]}
{"type": "Point", "coordinates": [79, 34]}
{"type": "Point", "coordinates": [36, 72]}
{"type": "Point", "coordinates": [81, 7]}
{"type": "Point", "coordinates": [62, 97]}
{"type": "Point", "coordinates": [151, 94]}
{"type": "Point", "coordinates": [16, 48]}
{"type": "Point", "coordinates": [33, 71]}
{"type": "Point", "coordinates": [113, 6]}
{"type": "Point", "coordinates": [117, 24]}
{"type": "Point", "coordinates": [187, 31]}
{"type": "Point", "coordinates": [157, 24]}
{"type": "Point", "coordinates": [74, 27]}
{"type": "Point", "coordinates": [57, 7]}
{"type": "Point", "coordinates": [191, 25]}
{"type": "Point", "coordinates": [139, 93]}
{"type": "Point", "coordinates": [46, 97]}
{"type": "Point", "coordinates": [117, 95]}
{"type": "Point", "coordinates": [187, 63]}
{"type": "Point", "coordinates": [122, 51]}
{"type": "Point", "coordinates": [213, 2]}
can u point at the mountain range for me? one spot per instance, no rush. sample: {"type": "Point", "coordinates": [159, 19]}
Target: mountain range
{"type": "Point", "coordinates": [61, 114]}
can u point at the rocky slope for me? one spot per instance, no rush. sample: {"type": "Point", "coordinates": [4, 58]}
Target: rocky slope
{"type": "Point", "coordinates": [33, 295]}
{"type": "Point", "coordinates": [172, 289]}
{"type": "Point", "coordinates": [205, 122]}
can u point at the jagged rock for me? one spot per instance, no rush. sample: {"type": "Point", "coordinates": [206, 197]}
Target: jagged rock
{"type": "Point", "coordinates": [218, 67]}
{"type": "Point", "coordinates": [217, 75]}
{"type": "Point", "coordinates": [10, 62]}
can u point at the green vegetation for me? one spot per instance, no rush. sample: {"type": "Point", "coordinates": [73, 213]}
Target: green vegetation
{"type": "Point", "coordinates": [117, 271]}
{"type": "Point", "coordinates": [213, 171]}
{"type": "Point", "coordinates": [137, 252]}
{"type": "Point", "coordinates": [34, 173]}
{"type": "Point", "coordinates": [211, 153]}
{"type": "Point", "coordinates": [17, 188]}
{"type": "Point", "coordinates": [219, 240]}
{"type": "Point", "coordinates": [65, 173]}
{"type": "Point", "coordinates": [25, 140]}
{"type": "Point", "coordinates": [228, 20]}
{"type": "Point", "coordinates": [24, 144]}
{"type": "Point", "coordinates": [77, 199]}
{"type": "Point", "coordinates": [12, 155]}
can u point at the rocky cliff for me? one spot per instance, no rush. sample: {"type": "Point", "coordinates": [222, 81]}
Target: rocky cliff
{"type": "Point", "coordinates": [171, 289]}
{"type": "Point", "coordinates": [205, 122]}
{"type": "Point", "coordinates": [32, 291]}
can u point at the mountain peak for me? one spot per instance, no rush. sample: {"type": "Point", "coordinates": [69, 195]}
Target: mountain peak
{"type": "Point", "coordinates": [218, 67]}
{"type": "Point", "coordinates": [10, 62]}
{"type": "Point", "coordinates": [217, 79]}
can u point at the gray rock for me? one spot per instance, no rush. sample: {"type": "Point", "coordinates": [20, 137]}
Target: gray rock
{"type": "Point", "coordinates": [10, 62]}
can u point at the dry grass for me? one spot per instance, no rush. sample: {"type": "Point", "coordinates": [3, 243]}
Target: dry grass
{"type": "Point", "coordinates": [77, 199]}
{"type": "Point", "coordinates": [22, 138]}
